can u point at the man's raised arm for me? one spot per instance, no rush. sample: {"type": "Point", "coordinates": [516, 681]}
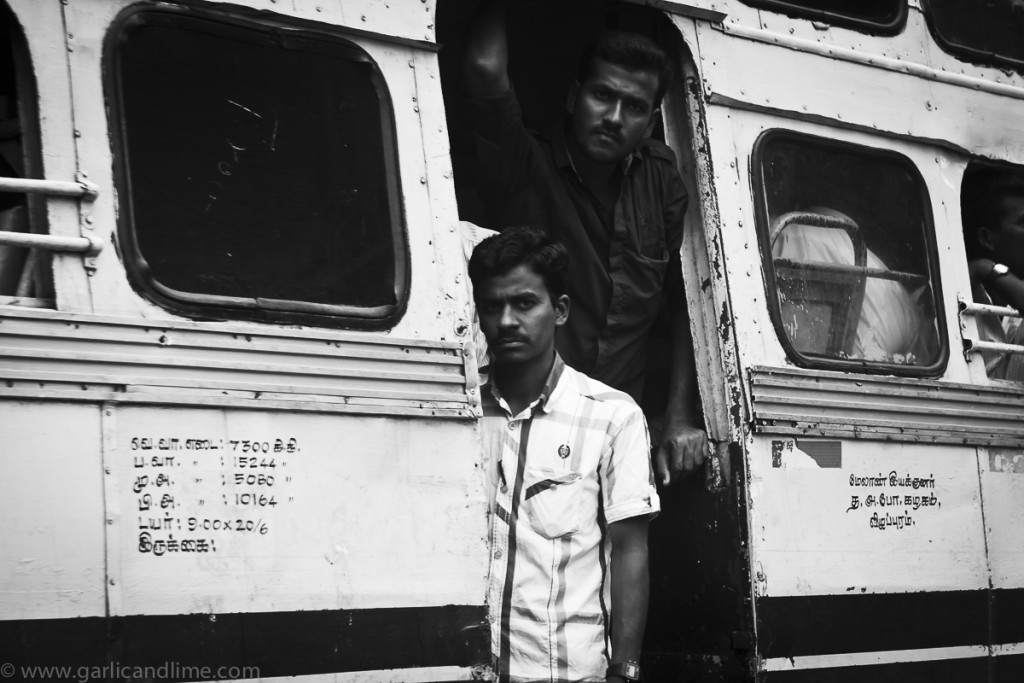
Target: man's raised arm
{"type": "Point", "coordinates": [485, 63]}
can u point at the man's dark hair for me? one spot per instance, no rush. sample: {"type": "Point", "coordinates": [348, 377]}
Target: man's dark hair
{"type": "Point", "coordinates": [499, 254]}
{"type": "Point", "coordinates": [981, 200]}
{"type": "Point", "coordinates": [630, 51]}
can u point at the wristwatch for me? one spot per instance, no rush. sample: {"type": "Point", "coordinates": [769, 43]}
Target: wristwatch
{"type": "Point", "coordinates": [998, 270]}
{"type": "Point", "coordinates": [629, 669]}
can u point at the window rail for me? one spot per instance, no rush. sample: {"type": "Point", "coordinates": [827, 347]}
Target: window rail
{"type": "Point", "coordinates": [977, 345]}
{"type": "Point", "coordinates": [87, 244]}
{"type": "Point", "coordinates": [53, 188]}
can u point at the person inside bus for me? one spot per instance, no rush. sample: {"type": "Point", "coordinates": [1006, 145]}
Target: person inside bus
{"type": "Point", "coordinates": [993, 219]}
{"type": "Point", "coordinates": [612, 195]}
{"type": "Point", "coordinates": [570, 481]}
{"type": "Point", "coordinates": [891, 326]}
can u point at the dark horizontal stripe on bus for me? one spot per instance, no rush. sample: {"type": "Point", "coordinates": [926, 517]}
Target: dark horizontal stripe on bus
{"type": "Point", "coordinates": [837, 624]}
{"type": "Point", "coordinates": [946, 671]}
{"type": "Point", "coordinates": [277, 643]}
{"type": "Point", "coordinates": [1008, 617]}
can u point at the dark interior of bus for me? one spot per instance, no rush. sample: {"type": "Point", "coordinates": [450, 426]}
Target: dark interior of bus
{"type": "Point", "coordinates": [24, 274]}
{"type": "Point", "coordinates": [698, 579]}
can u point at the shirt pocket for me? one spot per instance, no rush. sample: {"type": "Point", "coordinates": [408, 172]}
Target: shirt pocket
{"type": "Point", "coordinates": [553, 502]}
{"type": "Point", "coordinates": [651, 240]}
{"type": "Point", "coordinates": [654, 249]}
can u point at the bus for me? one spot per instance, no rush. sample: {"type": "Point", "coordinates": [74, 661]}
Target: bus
{"type": "Point", "coordinates": [239, 388]}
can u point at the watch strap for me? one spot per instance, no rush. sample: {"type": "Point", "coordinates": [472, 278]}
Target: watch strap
{"type": "Point", "coordinates": [629, 669]}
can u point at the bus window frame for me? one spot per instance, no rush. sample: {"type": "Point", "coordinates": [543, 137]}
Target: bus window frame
{"type": "Point", "coordinates": [966, 53]}
{"type": "Point", "coordinates": [275, 311]}
{"type": "Point", "coordinates": [892, 28]}
{"type": "Point", "coordinates": [864, 366]}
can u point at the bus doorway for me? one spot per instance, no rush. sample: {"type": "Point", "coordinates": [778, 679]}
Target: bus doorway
{"type": "Point", "coordinates": [699, 619]}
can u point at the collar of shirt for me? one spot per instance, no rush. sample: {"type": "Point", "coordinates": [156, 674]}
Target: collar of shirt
{"type": "Point", "coordinates": [549, 394]}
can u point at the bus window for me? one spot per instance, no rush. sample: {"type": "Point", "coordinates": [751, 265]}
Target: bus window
{"type": "Point", "coordinates": [25, 275]}
{"type": "Point", "coordinates": [846, 234]}
{"type": "Point", "coordinates": [884, 17]}
{"type": "Point", "coordinates": [992, 201]}
{"type": "Point", "coordinates": [985, 31]}
{"type": "Point", "coordinates": [258, 172]}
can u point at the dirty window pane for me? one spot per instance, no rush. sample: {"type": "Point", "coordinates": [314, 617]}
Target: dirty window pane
{"type": "Point", "coordinates": [25, 274]}
{"type": "Point", "coordinates": [872, 16]}
{"type": "Point", "coordinates": [259, 172]}
{"type": "Point", "coordinates": [985, 31]}
{"type": "Point", "coordinates": [846, 231]}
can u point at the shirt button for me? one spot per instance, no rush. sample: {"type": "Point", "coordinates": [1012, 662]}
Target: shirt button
{"type": "Point", "coordinates": [512, 426]}
{"type": "Point", "coordinates": [504, 489]}
{"type": "Point", "coordinates": [490, 618]}
{"type": "Point", "coordinates": [497, 554]}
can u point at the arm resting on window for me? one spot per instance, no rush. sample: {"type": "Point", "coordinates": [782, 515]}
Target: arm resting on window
{"type": "Point", "coordinates": [1006, 290]}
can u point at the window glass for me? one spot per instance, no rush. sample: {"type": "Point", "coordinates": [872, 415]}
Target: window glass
{"type": "Point", "coordinates": [985, 31]}
{"type": "Point", "coordinates": [872, 16]}
{"type": "Point", "coordinates": [25, 274]}
{"type": "Point", "coordinates": [259, 174]}
{"type": "Point", "coordinates": [846, 233]}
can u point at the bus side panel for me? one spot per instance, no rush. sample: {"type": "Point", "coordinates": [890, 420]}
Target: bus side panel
{"type": "Point", "coordinates": [297, 544]}
{"type": "Point", "coordinates": [292, 511]}
{"type": "Point", "coordinates": [1002, 486]}
{"type": "Point", "coordinates": [51, 557]}
{"type": "Point", "coordinates": [866, 547]}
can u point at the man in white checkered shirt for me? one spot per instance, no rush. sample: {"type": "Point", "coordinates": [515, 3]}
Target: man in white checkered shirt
{"type": "Point", "coordinates": [568, 459]}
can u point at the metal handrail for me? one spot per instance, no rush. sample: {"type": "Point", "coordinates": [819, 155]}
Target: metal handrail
{"type": "Point", "coordinates": [971, 308]}
{"type": "Point", "coordinates": [978, 345]}
{"type": "Point", "coordinates": [88, 245]}
{"type": "Point", "coordinates": [58, 188]}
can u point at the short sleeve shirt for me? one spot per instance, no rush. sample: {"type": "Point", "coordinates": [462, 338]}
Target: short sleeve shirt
{"type": "Point", "coordinates": [570, 464]}
{"type": "Point", "coordinates": [618, 272]}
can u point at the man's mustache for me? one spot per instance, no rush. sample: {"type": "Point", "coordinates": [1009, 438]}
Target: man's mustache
{"type": "Point", "coordinates": [611, 131]}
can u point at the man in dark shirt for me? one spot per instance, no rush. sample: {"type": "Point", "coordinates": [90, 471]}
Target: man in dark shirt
{"type": "Point", "coordinates": [608, 192]}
